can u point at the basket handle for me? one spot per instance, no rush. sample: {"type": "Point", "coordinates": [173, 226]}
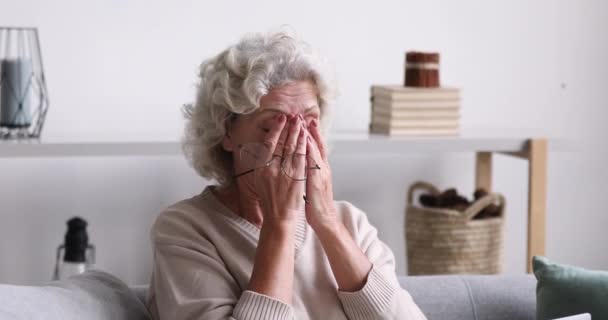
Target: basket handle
{"type": "Point", "coordinates": [482, 203]}
{"type": "Point", "coordinates": [420, 185]}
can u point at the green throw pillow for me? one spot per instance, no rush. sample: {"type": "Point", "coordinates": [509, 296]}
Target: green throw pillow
{"type": "Point", "coordinates": [564, 290]}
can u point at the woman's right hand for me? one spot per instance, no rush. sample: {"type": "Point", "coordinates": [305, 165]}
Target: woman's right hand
{"type": "Point", "coordinates": [281, 201]}
{"type": "Point", "coordinates": [281, 197]}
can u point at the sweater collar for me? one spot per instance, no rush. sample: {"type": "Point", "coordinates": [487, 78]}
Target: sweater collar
{"type": "Point", "coordinates": [209, 197]}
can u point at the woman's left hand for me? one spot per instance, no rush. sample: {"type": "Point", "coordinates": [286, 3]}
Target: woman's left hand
{"type": "Point", "coordinates": [349, 264]}
{"type": "Point", "coordinates": [320, 210]}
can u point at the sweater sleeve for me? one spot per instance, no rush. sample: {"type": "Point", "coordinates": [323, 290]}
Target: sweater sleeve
{"type": "Point", "coordinates": [381, 297]}
{"type": "Point", "coordinates": [191, 281]}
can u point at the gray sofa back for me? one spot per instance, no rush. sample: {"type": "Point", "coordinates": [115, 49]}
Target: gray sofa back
{"type": "Point", "coordinates": [97, 295]}
{"type": "Point", "coordinates": [475, 297]}
{"type": "Point", "coordinates": [464, 297]}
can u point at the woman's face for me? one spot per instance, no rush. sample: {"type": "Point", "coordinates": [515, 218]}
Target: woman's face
{"type": "Point", "coordinates": [292, 99]}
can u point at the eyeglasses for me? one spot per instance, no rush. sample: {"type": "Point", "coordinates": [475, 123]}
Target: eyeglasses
{"type": "Point", "coordinates": [256, 155]}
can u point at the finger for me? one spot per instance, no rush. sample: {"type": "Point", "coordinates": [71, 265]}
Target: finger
{"type": "Point", "coordinates": [292, 138]}
{"type": "Point", "coordinates": [278, 150]}
{"type": "Point", "coordinates": [312, 152]}
{"type": "Point", "coordinates": [314, 131]}
{"type": "Point", "coordinates": [299, 158]}
{"type": "Point", "coordinates": [272, 138]}
{"type": "Point", "coordinates": [301, 144]}
{"type": "Point", "coordinates": [309, 173]}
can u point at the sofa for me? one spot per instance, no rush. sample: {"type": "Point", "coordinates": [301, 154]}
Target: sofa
{"type": "Point", "coordinates": [99, 295]}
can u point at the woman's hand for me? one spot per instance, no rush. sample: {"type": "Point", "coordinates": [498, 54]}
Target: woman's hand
{"type": "Point", "coordinates": [281, 197]}
{"type": "Point", "coordinates": [281, 200]}
{"type": "Point", "coordinates": [320, 211]}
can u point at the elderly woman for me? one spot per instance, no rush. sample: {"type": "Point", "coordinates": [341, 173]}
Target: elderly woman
{"type": "Point", "coordinates": [268, 241]}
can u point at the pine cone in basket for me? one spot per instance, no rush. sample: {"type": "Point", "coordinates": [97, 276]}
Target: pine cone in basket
{"type": "Point", "coordinates": [428, 200]}
{"type": "Point", "coordinates": [450, 199]}
{"type": "Point", "coordinates": [479, 193]}
{"type": "Point", "coordinates": [491, 211]}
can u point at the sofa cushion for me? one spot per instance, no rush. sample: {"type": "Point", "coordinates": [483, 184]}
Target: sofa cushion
{"type": "Point", "coordinates": [94, 295]}
{"type": "Point", "coordinates": [465, 297]}
{"type": "Point", "coordinates": [567, 290]}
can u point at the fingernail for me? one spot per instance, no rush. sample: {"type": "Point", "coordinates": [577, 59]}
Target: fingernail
{"type": "Point", "coordinates": [314, 123]}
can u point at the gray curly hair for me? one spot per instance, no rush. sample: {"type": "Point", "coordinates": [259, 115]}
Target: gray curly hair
{"type": "Point", "coordinates": [234, 81]}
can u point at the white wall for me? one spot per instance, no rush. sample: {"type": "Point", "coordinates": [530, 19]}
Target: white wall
{"type": "Point", "coordinates": [126, 67]}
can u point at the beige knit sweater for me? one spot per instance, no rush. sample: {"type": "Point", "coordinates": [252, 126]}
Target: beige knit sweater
{"type": "Point", "coordinates": [203, 259]}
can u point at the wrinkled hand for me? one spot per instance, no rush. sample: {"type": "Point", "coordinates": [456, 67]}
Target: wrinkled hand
{"type": "Point", "coordinates": [281, 197]}
{"type": "Point", "coordinates": [320, 210]}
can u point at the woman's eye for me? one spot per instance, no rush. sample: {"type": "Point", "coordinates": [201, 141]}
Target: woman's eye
{"type": "Point", "coordinates": [265, 129]}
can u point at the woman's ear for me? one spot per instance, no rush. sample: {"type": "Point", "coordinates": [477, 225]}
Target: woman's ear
{"type": "Point", "coordinates": [227, 142]}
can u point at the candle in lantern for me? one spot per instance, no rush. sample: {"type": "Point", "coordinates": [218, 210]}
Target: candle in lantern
{"type": "Point", "coordinates": [16, 84]}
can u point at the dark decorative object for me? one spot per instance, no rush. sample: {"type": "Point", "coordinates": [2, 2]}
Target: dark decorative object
{"type": "Point", "coordinates": [78, 255]}
{"type": "Point", "coordinates": [422, 69]}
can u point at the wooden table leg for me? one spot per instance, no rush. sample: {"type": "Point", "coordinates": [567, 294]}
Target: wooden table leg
{"type": "Point", "coordinates": [483, 171]}
{"type": "Point", "coordinates": [537, 198]}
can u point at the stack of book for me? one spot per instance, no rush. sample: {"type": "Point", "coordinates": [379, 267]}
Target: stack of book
{"type": "Point", "coordinates": [399, 110]}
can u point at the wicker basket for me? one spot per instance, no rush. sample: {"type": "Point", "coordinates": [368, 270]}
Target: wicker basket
{"type": "Point", "coordinates": [444, 241]}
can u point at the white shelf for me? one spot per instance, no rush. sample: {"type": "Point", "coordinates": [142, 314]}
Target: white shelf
{"type": "Point", "coordinates": [342, 143]}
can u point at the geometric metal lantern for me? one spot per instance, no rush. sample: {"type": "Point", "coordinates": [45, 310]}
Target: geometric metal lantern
{"type": "Point", "coordinates": [24, 99]}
